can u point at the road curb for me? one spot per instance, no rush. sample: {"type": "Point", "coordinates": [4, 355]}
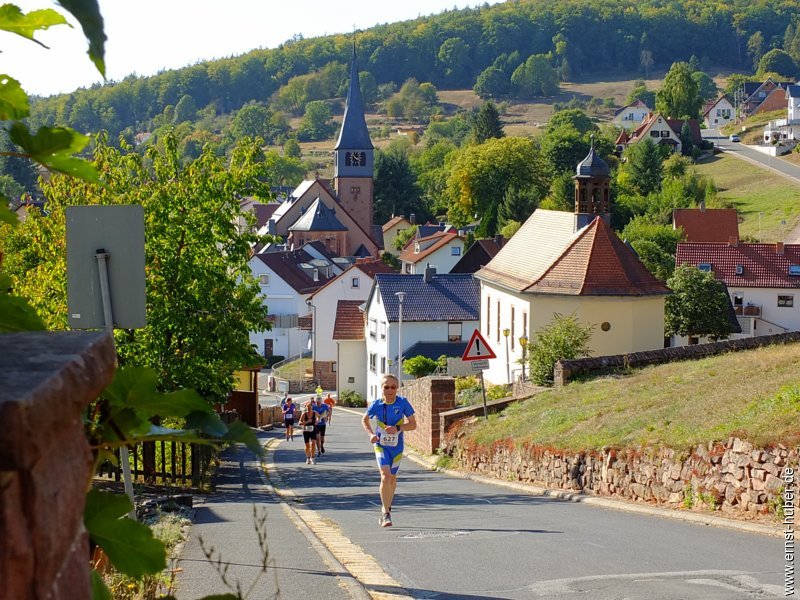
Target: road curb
{"type": "Point", "coordinates": [621, 505]}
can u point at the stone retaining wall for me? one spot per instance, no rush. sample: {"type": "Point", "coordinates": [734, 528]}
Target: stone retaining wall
{"type": "Point", "coordinates": [730, 476]}
{"type": "Point", "coordinates": [565, 370]}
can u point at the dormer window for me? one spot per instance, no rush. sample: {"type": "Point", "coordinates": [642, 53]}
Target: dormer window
{"type": "Point", "coordinates": [705, 267]}
{"type": "Point", "coordinates": [740, 269]}
{"type": "Point", "coordinates": [416, 248]}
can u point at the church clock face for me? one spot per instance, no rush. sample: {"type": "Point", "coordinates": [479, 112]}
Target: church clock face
{"type": "Point", "coordinates": [356, 159]}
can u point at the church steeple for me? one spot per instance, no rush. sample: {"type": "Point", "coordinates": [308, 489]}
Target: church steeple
{"type": "Point", "coordinates": [592, 189]}
{"type": "Point", "coordinates": [354, 156]}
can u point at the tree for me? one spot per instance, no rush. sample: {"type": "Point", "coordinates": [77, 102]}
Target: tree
{"type": "Point", "coordinates": [454, 57]}
{"type": "Point", "coordinates": [706, 87]}
{"type": "Point", "coordinates": [401, 239]}
{"type": "Point", "coordinates": [679, 98]}
{"type": "Point", "coordinates": [755, 48]}
{"type": "Point", "coordinates": [563, 338]}
{"type": "Point", "coordinates": [517, 205]}
{"type": "Point", "coordinates": [480, 175]}
{"type": "Point", "coordinates": [655, 243]}
{"type": "Point", "coordinates": [185, 109]}
{"type": "Point", "coordinates": [643, 167]}
{"type": "Point", "coordinates": [535, 77]}
{"type": "Point", "coordinates": [396, 191]}
{"type": "Point", "coordinates": [640, 92]}
{"type": "Point", "coordinates": [687, 141]}
{"type": "Point", "coordinates": [487, 123]}
{"type": "Point", "coordinates": [252, 120]}
{"type": "Point", "coordinates": [291, 148]}
{"type": "Point", "coordinates": [316, 123]}
{"type": "Point", "coordinates": [778, 61]}
{"type": "Point", "coordinates": [492, 83]}
{"type": "Point", "coordinates": [574, 117]}
{"type": "Point", "coordinates": [698, 306]}
{"type": "Point", "coordinates": [202, 300]}
{"type": "Point", "coordinates": [509, 229]}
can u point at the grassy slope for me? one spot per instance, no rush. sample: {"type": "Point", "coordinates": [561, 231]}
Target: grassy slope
{"type": "Point", "coordinates": [753, 190]}
{"type": "Point", "coordinates": [753, 394]}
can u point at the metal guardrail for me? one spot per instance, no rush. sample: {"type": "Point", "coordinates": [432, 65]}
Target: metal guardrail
{"type": "Point", "coordinates": [285, 361]}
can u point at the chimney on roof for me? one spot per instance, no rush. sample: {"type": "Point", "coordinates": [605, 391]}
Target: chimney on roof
{"type": "Point", "coordinates": [779, 248]}
{"type": "Point", "coordinates": [499, 240]}
{"type": "Point", "coordinates": [430, 271]}
{"type": "Point", "coordinates": [733, 241]}
{"type": "Point", "coordinates": [412, 218]}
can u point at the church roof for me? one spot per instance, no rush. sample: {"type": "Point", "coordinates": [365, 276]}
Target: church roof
{"type": "Point", "coordinates": [598, 263]}
{"type": "Point", "coordinates": [546, 257]}
{"type": "Point", "coordinates": [354, 132]}
{"type": "Point", "coordinates": [318, 217]}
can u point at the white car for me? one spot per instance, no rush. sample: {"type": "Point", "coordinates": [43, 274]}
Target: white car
{"type": "Point", "coordinates": [734, 138]}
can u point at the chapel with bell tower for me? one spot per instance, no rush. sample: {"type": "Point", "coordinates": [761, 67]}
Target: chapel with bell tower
{"type": "Point", "coordinates": [354, 156]}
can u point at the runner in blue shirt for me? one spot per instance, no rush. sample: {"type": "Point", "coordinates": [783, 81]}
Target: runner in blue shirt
{"type": "Point", "coordinates": [393, 415]}
{"type": "Point", "coordinates": [323, 412]}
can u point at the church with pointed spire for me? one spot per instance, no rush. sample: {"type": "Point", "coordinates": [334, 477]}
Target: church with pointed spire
{"type": "Point", "coordinates": [338, 216]}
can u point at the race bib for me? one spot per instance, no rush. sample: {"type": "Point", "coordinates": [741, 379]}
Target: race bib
{"type": "Point", "coordinates": [389, 440]}
{"type": "Point", "coordinates": [309, 428]}
{"type": "Point", "coordinates": [288, 416]}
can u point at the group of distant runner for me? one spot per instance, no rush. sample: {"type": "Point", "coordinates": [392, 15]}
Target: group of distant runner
{"type": "Point", "coordinates": [313, 421]}
{"type": "Point", "coordinates": [384, 421]}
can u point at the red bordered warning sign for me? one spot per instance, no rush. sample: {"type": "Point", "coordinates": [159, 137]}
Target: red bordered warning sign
{"type": "Point", "coordinates": [477, 348]}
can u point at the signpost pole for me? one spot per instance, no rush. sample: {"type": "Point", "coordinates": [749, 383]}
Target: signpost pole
{"type": "Point", "coordinates": [105, 291]}
{"type": "Point", "coordinates": [483, 389]}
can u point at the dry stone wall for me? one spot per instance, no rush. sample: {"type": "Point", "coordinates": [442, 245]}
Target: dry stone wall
{"type": "Point", "coordinates": [732, 476]}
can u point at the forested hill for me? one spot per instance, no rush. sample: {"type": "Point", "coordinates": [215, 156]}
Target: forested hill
{"type": "Point", "coordinates": [449, 50]}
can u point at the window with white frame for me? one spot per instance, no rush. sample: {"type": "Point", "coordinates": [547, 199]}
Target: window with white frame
{"type": "Point", "coordinates": [665, 133]}
{"type": "Point", "coordinates": [373, 328]}
{"type": "Point", "coordinates": [454, 332]}
{"type": "Point", "coordinates": [263, 279]}
{"type": "Point", "coordinates": [373, 361]}
{"type": "Point", "coordinates": [354, 282]}
{"type": "Point", "coordinates": [455, 251]}
{"type": "Point", "coordinates": [383, 330]}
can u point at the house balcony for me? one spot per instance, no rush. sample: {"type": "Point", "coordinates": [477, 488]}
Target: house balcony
{"type": "Point", "coordinates": [751, 310]}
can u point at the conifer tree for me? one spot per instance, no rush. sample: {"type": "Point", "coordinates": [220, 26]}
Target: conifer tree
{"type": "Point", "coordinates": [487, 123]}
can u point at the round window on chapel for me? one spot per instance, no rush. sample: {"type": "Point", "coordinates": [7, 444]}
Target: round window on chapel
{"type": "Point", "coordinates": [605, 326]}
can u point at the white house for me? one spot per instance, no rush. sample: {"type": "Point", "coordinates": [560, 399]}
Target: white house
{"type": "Point", "coordinates": [441, 250]}
{"type": "Point", "coordinates": [286, 280]}
{"type": "Point", "coordinates": [786, 130]}
{"type": "Point", "coordinates": [439, 314]}
{"type": "Point", "coordinates": [763, 281]}
{"type": "Point", "coordinates": [631, 116]}
{"type": "Point", "coordinates": [661, 130]}
{"type": "Point", "coordinates": [353, 284]}
{"type": "Point", "coordinates": [719, 113]}
{"type": "Point", "coordinates": [348, 334]}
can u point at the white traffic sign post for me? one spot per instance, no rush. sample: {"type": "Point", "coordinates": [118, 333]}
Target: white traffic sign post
{"type": "Point", "coordinates": [478, 353]}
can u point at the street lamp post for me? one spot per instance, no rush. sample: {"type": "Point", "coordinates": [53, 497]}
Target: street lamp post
{"type": "Point", "coordinates": [313, 338]}
{"type": "Point", "coordinates": [506, 333]}
{"type": "Point", "coordinates": [523, 341]}
{"type": "Point", "coordinates": [400, 297]}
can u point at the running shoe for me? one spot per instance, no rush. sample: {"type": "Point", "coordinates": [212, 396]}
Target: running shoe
{"type": "Point", "coordinates": [313, 462]}
{"type": "Point", "coordinates": [322, 449]}
{"type": "Point", "coordinates": [385, 520]}
{"type": "Point", "coordinates": [308, 461]}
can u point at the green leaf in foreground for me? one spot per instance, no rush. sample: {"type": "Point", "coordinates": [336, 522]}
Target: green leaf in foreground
{"type": "Point", "coordinates": [99, 589]}
{"type": "Point", "coordinates": [241, 432]}
{"type": "Point", "coordinates": [16, 314]}
{"type": "Point", "coordinates": [88, 14]}
{"type": "Point", "coordinates": [13, 99]}
{"type": "Point", "coordinates": [13, 20]}
{"type": "Point", "coordinates": [53, 147]}
{"type": "Point", "coordinates": [129, 545]}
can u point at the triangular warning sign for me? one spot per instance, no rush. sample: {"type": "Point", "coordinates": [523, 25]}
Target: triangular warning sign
{"type": "Point", "coordinates": [478, 349]}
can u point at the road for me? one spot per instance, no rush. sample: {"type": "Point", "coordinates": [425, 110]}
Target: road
{"type": "Point", "coordinates": [457, 538]}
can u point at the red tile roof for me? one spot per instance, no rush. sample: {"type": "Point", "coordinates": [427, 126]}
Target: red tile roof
{"type": "Point", "coordinates": [710, 225]}
{"type": "Point", "coordinates": [440, 239]}
{"type": "Point", "coordinates": [349, 324]}
{"type": "Point", "coordinates": [394, 221]}
{"type": "Point", "coordinates": [762, 265]}
{"type": "Point", "coordinates": [598, 263]}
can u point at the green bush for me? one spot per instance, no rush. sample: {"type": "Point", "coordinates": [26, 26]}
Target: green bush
{"type": "Point", "coordinates": [351, 398]}
{"type": "Point", "coordinates": [419, 366]}
{"type": "Point", "coordinates": [564, 338]}
{"type": "Point", "coordinates": [496, 392]}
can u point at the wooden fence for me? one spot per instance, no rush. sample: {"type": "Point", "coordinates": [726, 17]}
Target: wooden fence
{"type": "Point", "coordinates": [165, 463]}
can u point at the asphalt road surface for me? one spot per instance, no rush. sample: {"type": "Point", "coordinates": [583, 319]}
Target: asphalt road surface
{"type": "Point", "coordinates": [456, 538]}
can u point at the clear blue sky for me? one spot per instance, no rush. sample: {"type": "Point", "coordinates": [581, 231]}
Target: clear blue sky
{"type": "Point", "coordinates": [146, 36]}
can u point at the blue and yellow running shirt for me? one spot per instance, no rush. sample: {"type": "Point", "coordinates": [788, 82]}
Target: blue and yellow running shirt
{"type": "Point", "coordinates": [390, 415]}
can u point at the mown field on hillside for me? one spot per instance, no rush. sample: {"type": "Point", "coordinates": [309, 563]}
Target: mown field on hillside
{"type": "Point", "coordinates": [754, 395]}
{"type": "Point", "coordinates": [767, 203]}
